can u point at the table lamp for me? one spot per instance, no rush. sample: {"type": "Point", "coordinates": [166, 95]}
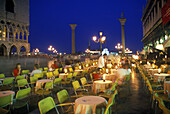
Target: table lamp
{"type": "Point", "coordinates": [103, 77]}
{"type": "Point", "coordinates": [65, 70]}
{"type": "Point", "coordinates": [79, 67]}
{"type": "Point", "coordinates": [107, 71]}
{"type": "Point", "coordinates": [159, 70]}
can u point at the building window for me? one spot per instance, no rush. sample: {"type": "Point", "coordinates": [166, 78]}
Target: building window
{"type": "Point", "coordinates": [9, 6]}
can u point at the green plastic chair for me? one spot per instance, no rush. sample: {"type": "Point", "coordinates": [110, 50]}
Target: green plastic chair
{"type": "Point", "coordinates": [22, 83]}
{"type": "Point", "coordinates": [33, 81]}
{"type": "Point", "coordinates": [44, 73]}
{"type": "Point", "coordinates": [49, 75]}
{"type": "Point", "coordinates": [8, 81]}
{"type": "Point", "coordinates": [68, 79]}
{"type": "Point", "coordinates": [84, 82]}
{"type": "Point", "coordinates": [60, 69]}
{"type": "Point", "coordinates": [110, 104]}
{"type": "Point", "coordinates": [70, 69]}
{"type": "Point", "coordinates": [22, 94]}
{"type": "Point", "coordinates": [46, 90]}
{"type": "Point", "coordinates": [47, 104]}
{"type": "Point", "coordinates": [75, 74]}
{"type": "Point", "coordinates": [78, 88]}
{"type": "Point", "coordinates": [7, 84]}
{"type": "Point", "coordinates": [45, 68]}
{"type": "Point", "coordinates": [2, 76]}
{"type": "Point", "coordinates": [56, 85]}
{"type": "Point", "coordinates": [39, 75]}
{"type": "Point", "coordinates": [57, 81]}
{"type": "Point", "coordinates": [63, 96]}
{"type": "Point", "coordinates": [41, 69]}
{"type": "Point", "coordinates": [56, 73]}
{"type": "Point", "coordinates": [5, 101]}
{"type": "Point", "coordinates": [20, 77]}
{"type": "Point", "coordinates": [25, 71]}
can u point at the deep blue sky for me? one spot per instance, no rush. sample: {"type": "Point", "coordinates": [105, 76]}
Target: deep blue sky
{"type": "Point", "coordinates": [50, 19]}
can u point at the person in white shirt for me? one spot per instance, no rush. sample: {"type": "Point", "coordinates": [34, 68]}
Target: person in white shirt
{"type": "Point", "coordinates": [122, 72]}
{"type": "Point", "coordinates": [36, 70]}
{"type": "Point", "coordinates": [102, 61]}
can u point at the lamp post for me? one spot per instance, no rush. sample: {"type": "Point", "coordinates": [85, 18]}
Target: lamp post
{"type": "Point", "coordinates": [118, 47]}
{"type": "Point", "coordinates": [55, 51]}
{"type": "Point", "coordinates": [37, 51]}
{"type": "Point", "coordinates": [50, 48]}
{"type": "Point", "coordinates": [102, 39]}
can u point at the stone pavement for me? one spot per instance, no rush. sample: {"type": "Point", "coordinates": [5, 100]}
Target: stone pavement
{"type": "Point", "coordinates": [138, 102]}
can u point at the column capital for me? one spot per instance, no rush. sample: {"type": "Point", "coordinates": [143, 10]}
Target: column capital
{"type": "Point", "coordinates": [73, 26]}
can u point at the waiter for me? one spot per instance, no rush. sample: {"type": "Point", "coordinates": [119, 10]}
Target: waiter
{"type": "Point", "coordinates": [102, 61]}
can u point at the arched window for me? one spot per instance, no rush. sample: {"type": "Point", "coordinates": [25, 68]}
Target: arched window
{"type": "Point", "coordinates": [9, 6]}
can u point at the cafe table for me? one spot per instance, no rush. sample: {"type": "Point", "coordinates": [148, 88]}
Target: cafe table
{"type": "Point", "coordinates": [153, 71]}
{"type": "Point", "coordinates": [41, 82]}
{"type": "Point", "coordinates": [110, 77]}
{"type": "Point", "coordinates": [6, 93]}
{"type": "Point", "coordinates": [101, 85]}
{"type": "Point", "coordinates": [113, 71]}
{"type": "Point", "coordinates": [79, 71]}
{"type": "Point", "coordinates": [160, 77]}
{"type": "Point", "coordinates": [63, 75]}
{"type": "Point", "coordinates": [88, 104]}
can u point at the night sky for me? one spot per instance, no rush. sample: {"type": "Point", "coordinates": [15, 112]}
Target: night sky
{"type": "Point", "coordinates": [50, 19]}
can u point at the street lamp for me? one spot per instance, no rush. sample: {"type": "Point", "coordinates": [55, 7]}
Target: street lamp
{"type": "Point", "coordinates": [87, 51]}
{"type": "Point", "coordinates": [118, 47]}
{"type": "Point", "coordinates": [102, 39]}
{"type": "Point", "coordinates": [55, 51]}
{"type": "Point", "coordinates": [37, 51]}
{"type": "Point", "coordinates": [50, 48]}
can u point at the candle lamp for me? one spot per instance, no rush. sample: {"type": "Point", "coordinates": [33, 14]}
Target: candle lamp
{"type": "Point", "coordinates": [116, 67]}
{"type": "Point", "coordinates": [86, 65]}
{"type": "Point", "coordinates": [103, 77]}
{"type": "Point", "coordinates": [107, 71]}
{"type": "Point", "coordinates": [65, 70]}
{"type": "Point", "coordinates": [79, 67]}
{"type": "Point", "coordinates": [159, 70]}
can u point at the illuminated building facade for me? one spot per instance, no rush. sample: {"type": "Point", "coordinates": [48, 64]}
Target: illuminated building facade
{"type": "Point", "coordinates": [14, 27]}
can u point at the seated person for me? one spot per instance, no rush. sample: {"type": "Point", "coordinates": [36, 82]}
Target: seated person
{"type": "Point", "coordinates": [17, 71]}
{"type": "Point", "coordinates": [54, 66]}
{"type": "Point", "coordinates": [36, 70]}
{"type": "Point", "coordinates": [109, 64]}
{"type": "Point", "coordinates": [96, 76]}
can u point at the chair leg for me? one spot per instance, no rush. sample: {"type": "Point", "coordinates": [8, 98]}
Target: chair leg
{"type": "Point", "coordinates": [28, 107]}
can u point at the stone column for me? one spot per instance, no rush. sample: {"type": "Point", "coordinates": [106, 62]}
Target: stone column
{"type": "Point", "coordinates": [7, 34]}
{"type": "Point", "coordinates": [2, 33]}
{"type": "Point", "coordinates": [23, 36]}
{"type": "Point", "coordinates": [14, 36]}
{"type": "Point", "coordinates": [73, 26]}
{"type": "Point", "coordinates": [18, 36]}
{"type": "Point", "coordinates": [122, 21]}
{"type": "Point", "coordinates": [27, 34]}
